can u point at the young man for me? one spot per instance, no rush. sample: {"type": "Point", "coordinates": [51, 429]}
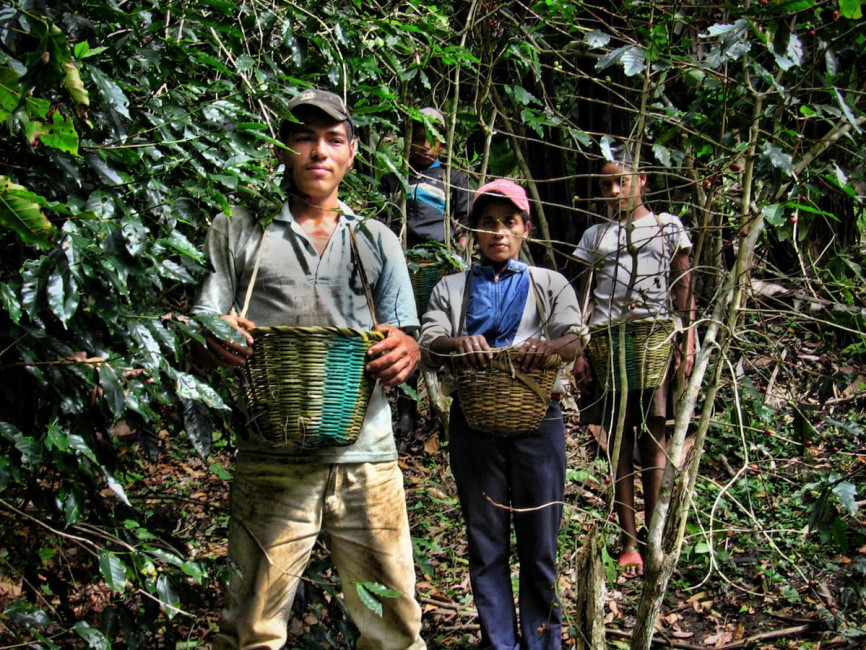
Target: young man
{"type": "Point", "coordinates": [659, 290]}
{"type": "Point", "coordinates": [281, 499]}
{"type": "Point", "coordinates": [425, 214]}
{"type": "Point", "coordinates": [497, 473]}
{"type": "Point", "coordinates": [425, 200]}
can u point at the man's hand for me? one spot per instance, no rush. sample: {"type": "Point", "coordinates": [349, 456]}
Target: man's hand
{"type": "Point", "coordinates": [226, 353]}
{"type": "Point", "coordinates": [393, 360]}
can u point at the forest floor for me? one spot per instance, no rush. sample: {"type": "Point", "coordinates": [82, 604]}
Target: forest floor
{"type": "Point", "coordinates": [766, 587]}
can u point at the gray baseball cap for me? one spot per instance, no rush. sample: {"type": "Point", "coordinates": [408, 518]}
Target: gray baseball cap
{"type": "Point", "coordinates": [323, 100]}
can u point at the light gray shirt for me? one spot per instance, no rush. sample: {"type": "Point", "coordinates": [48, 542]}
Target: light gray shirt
{"type": "Point", "coordinates": [559, 305]}
{"type": "Point", "coordinates": [604, 248]}
{"type": "Point", "coordinates": [296, 287]}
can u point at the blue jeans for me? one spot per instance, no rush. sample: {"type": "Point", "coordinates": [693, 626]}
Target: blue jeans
{"type": "Point", "coordinates": [513, 472]}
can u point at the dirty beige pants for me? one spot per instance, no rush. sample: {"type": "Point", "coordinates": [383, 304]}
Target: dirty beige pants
{"type": "Point", "coordinates": [277, 511]}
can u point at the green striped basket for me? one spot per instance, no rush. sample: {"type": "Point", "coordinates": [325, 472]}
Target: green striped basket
{"type": "Point", "coordinates": [425, 277]}
{"type": "Point", "coordinates": [305, 387]}
{"type": "Point", "coordinates": [648, 347]}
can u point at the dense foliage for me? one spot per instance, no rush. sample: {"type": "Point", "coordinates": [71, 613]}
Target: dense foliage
{"type": "Point", "coordinates": [128, 124]}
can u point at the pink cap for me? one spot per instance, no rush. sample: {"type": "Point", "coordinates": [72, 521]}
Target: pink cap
{"type": "Point", "coordinates": [504, 188]}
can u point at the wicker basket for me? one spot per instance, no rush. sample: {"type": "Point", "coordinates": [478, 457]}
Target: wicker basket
{"type": "Point", "coordinates": [501, 398]}
{"type": "Point", "coordinates": [305, 387]}
{"type": "Point", "coordinates": [648, 347]}
{"type": "Point", "coordinates": [427, 276]}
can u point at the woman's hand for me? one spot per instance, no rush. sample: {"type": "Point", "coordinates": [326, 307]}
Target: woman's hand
{"type": "Point", "coordinates": [533, 352]}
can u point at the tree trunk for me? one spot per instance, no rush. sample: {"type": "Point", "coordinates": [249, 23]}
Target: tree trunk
{"type": "Point", "coordinates": [589, 599]}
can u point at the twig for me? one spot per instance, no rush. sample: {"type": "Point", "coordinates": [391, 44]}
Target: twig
{"type": "Point", "coordinates": [764, 636]}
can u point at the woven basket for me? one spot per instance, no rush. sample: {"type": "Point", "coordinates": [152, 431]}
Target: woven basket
{"type": "Point", "coordinates": [305, 387]}
{"type": "Point", "coordinates": [501, 398]}
{"type": "Point", "coordinates": [648, 347]}
{"type": "Point", "coordinates": [426, 277]}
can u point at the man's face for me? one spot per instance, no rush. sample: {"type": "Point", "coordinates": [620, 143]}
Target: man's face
{"type": "Point", "coordinates": [621, 187]}
{"type": "Point", "coordinates": [423, 154]}
{"type": "Point", "coordinates": [321, 154]}
{"type": "Point", "coordinates": [500, 231]}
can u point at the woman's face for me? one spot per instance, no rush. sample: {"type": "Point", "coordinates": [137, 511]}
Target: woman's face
{"type": "Point", "coordinates": [500, 232]}
{"type": "Point", "coordinates": [621, 188]}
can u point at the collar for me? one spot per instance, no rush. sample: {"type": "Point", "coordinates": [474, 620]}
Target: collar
{"type": "Point", "coordinates": [513, 267]}
{"type": "Point", "coordinates": [285, 213]}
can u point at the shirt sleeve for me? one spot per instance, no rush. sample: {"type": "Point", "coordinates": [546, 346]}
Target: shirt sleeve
{"type": "Point", "coordinates": [564, 315]}
{"type": "Point", "coordinates": [585, 251]}
{"type": "Point", "coordinates": [439, 319]}
{"type": "Point", "coordinates": [219, 288]}
{"type": "Point", "coordinates": [392, 295]}
{"type": "Point", "coordinates": [679, 235]}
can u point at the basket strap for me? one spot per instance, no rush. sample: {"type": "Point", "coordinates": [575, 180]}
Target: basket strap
{"type": "Point", "coordinates": [364, 281]}
{"type": "Point", "coordinates": [530, 383]}
{"type": "Point", "coordinates": [539, 306]}
{"type": "Point", "coordinates": [255, 273]}
{"type": "Point", "coordinates": [465, 306]}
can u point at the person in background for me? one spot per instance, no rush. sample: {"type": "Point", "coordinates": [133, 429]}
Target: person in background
{"type": "Point", "coordinates": [425, 213]}
{"type": "Point", "coordinates": [515, 478]}
{"type": "Point", "coordinates": [282, 498]}
{"type": "Point", "coordinates": [661, 289]}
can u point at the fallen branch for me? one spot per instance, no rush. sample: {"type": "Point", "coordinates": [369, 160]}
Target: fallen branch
{"type": "Point", "coordinates": [786, 633]}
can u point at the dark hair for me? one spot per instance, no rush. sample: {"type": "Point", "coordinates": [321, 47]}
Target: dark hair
{"type": "Point", "coordinates": [303, 113]}
{"type": "Point", "coordinates": [621, 154]}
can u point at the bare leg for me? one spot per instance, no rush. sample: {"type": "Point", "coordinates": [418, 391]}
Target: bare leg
{"type": "Point", "coordinates": [624, 502]}
{"type": "Point", "coordinates": [653, 447]}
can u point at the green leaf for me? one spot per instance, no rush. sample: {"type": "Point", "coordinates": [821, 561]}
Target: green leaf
{"type": "Point", "coordinates": [60, 134]}
{"type": "Point", "coordinates": [633, 61]}
{"type": "Point", "coordinates": [368, 598]}
{"type": "Point", "coordinates": [193, 570]}
{"type": "Point", "coordinates": [31, 450]}
{"type": "Point", "coordinates": [74, 84]}
{"type": "Point", "coordinates": [56, 437]}
{"type": "Point", "coordinates": [93, 637]}
{"type": "Point", "coordinates": [777, 157]}
{"type": "Point", "coordinates": [115, 486]}
{"type": "Point", "coordinates": [20, 211]}
{"type": "Point", "coordinates": [193, 388]}
{"type": "Point", "coordinates": [10, 302]}
{"type": "Point", "coordinates": [113, 571]}
{"type": "Point", "coordinates": [851, 9]}
{"type": "Point", "coordinates": [79, 444]}
{"type": "Point", "coordinates": [112, 391]}
{"type": "Point", "coordinates": [178, 241]}
{"type": "Point", "coordinates": [151, 355]}
{"type": "Point", "coordinates": [199, 425]}
{"type": "Point", "coordinates": [111, 92]}
{"type": "Point", "coordinates": [10, 92]}
{"type": "Point", "coordinates": [71, 511]}
{"type": "Point", "coordinates": [23, 613]}
{"type": "Point", "coordinates": [220, 471]}
{"type": "Point", "coordinates": [167, 595]}
{"type": "Point", "coordinates": [847, 493]}
{"type": "Point", "coordinates": [62, 294]}
{"type": "Point", "coordinates": [596, 39]}
{"type": "Point", "coordinates": [774, 214]}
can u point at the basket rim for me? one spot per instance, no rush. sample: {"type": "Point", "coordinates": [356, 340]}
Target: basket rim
{"type": "Point", "coordinates": [498, 353]}
{"type": "Point", "coordinates": [313, 330]}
